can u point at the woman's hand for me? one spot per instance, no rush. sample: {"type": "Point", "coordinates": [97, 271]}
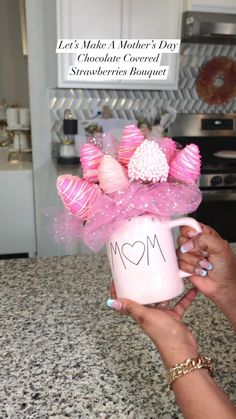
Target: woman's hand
{"type": "Point", "coordinates": [212, 264]}
{"type": "Point", "coordinates": [164, 326]}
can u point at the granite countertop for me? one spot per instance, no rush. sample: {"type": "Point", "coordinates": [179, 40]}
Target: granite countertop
{"type": "Point", "coordinates": [66, 355]}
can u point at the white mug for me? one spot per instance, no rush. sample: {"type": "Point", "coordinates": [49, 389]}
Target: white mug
{"type": "Point", "coordinates": [20, 141]}
{"type": "Point", "coordinates": [12, 117]}
{"type": "Point", "coordinates": [143, 261]}
{"type": "Point", "coordinates": [24, 117]}
{"type": "Point", "coordinates": [67, 150]}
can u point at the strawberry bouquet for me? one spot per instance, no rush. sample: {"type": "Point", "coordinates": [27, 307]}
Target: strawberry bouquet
{"type": "Point", "coordinates": [145, 176]}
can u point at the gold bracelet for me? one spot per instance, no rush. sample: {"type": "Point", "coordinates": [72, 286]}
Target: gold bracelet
{"type": "Point", "coordinates": [190, 364]}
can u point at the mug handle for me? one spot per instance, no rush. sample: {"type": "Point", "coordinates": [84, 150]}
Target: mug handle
{"type": "Point", "coordinates": [185, 221]}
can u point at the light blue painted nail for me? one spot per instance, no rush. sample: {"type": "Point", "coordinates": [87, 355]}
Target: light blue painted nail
{"type": "Point", "coordinates": [183, 250]}
{"type": "Point", "coordinates": [109, 302]}
{"type": "Point", "coordinates": [201, 272]}
{"type": "Point", "coordinates": [187, 247]}
{"type": "Point", "coordinates": [205, 264]}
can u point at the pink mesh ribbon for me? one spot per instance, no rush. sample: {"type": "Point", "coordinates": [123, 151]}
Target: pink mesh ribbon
{"type": "Point", "coordinates": [162, 199]}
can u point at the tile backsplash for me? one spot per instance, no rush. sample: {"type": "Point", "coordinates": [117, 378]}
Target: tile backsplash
{"type": "Point", "coordinates": [133, 103]}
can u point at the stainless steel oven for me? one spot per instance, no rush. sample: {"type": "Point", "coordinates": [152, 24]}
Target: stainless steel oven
{"type": "Point", "coordinates": [218, 209]}
{"type": "Point", "coordinates": [216, 137]}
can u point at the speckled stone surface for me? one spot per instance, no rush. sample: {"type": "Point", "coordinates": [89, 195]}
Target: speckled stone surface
{"type": "Point", "coordinates": [64, 354]}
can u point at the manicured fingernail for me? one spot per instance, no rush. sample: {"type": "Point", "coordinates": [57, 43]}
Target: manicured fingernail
{"type": "Point", "coordinates": [201, 272]}
{"type": "Point", "coordinates": [205, 264]}
{"type": "Point", "coordinates": [204, 253]}
{"type": "Point", "coordinates": [186, 247]}
{"type": "Point", "coordinates": [192, 233]}
{"type": "Point", "coordinates": [115, 304]}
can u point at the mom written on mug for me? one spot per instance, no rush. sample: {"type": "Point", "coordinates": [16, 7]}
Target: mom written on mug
{"type": "Point", "coordinates": [143, 261]}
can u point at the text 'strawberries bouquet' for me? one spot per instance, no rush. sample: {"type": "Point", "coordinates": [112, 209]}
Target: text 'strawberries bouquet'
{"type": "Point", "coordinates": [127, 199]}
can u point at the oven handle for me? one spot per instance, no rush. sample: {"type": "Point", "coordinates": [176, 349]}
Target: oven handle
{"type": "Point", "coordinates": [219, 195]}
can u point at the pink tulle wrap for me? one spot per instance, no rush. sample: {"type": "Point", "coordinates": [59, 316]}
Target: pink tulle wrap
{"type": "Point", "coordinates": [162, 199]}
{"type": "Point", "coordinates": [173, 192]}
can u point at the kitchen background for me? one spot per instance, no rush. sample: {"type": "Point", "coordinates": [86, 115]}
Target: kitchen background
{"type": "Point", "coordinates": [132, 104]}
{"type": "Point", "coordinates": [32, 226]}
{"type": "Point", "coordinates": [185, 99]}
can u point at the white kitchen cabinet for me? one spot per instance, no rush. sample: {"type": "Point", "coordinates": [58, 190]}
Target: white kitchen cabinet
{"type": "Point", "coordinates": [154, 19]}
{"type": "Point", "coordinates": [114, 19]}
{"type": "Point", "coordinates": [85, 19]}
{"type": "Point", "coordinates": [17, 226]}
{"type": "Point", "coordinates": [217, 6]}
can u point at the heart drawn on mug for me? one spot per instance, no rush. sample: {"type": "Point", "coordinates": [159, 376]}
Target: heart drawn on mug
{"type": "Point", "coordinates": [133, 252]}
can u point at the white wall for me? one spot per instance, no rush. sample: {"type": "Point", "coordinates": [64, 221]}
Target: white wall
{"type": "Point", "coordinates": [41, 24]}
{"type": "Point", "coordinates": [13, 65]}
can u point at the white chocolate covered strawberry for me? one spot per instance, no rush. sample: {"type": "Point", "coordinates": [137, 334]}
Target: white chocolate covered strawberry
{"type": "Point", "coordinates": [148, 164]}
{"type": "Point", "coordinates": [111, 175]}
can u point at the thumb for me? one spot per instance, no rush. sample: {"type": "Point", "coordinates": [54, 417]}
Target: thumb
{"type": "Point", "coordinates": [138, 312]}
{"type": "Point", "coordinates": [149, 319]}
{"type": "Point", "coordinates": [144, 316]}
{"type": "Point", "coordinates": [198, 283]}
